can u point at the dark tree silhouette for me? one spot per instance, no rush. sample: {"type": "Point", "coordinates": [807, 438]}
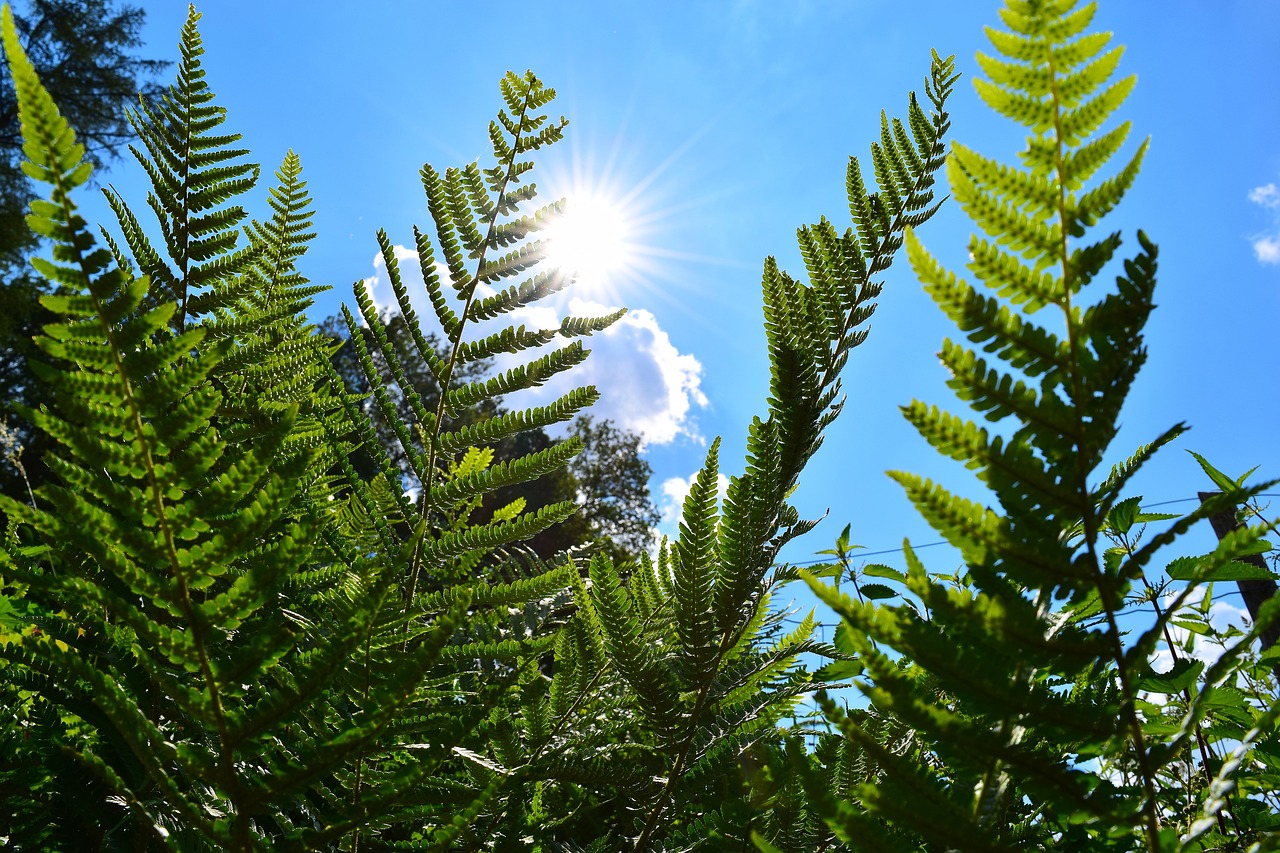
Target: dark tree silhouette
{"type": "Point", "coordinates": [85, 54]}
{"type": "Point", "coordinates": [609, 479]}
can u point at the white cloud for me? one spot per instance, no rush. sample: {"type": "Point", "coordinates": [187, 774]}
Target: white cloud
{"type": "Point", "coordinates": [647, 385]}
{"type": "Point", "coordinates": [1266, 247]}
{"type": "Point", "coordinates": [1267, 196]}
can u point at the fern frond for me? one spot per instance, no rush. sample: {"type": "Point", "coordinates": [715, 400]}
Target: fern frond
{"type": "Point", "coordinates": [1047, 686]}
{"type": "Point", "coordinates": [193, 177]}
{"type": "Point", "coordinates": [654, 684]}
{"type": "Point", "coordinates": [494, 429]}
{"type": "Point", "coordinates": [694, 571]}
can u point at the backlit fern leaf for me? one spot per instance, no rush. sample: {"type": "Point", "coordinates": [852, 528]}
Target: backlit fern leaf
{"type": "Point", "coordinates": [689, 636]}
{"type": "Point", "coordinates": [1011, 707]}
{"type": "Point", "coordinates": [185, 516]}
{"type": "Point", "coordinates": [194, 174]}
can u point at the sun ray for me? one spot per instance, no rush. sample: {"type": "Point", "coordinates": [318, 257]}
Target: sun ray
{"type": "Point", "coordinates": [591, 241]}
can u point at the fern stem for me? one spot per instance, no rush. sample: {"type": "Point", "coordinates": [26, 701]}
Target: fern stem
{"type": "Point", "coordinates": [240, 827]}
{"type": "Point", "coordinates": [358, 789]}
{"type": "Point", "coordinates": [1106, 590]}
{"type": "Point", "coordinates": [420, 534]}
{"type": "Point", "coordinates": [184, 230]}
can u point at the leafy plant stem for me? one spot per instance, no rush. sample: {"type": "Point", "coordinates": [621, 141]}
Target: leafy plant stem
{"type": "Point", "coordinates": [358, 788]}
{"type": "Point", "coordinates": [853, 578]}
{"type": "Point", "coordinates": [1205, 751]}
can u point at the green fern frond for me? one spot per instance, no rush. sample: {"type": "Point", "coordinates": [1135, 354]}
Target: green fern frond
{"type": "Point", "coordinates": [522, 376]}
{"type": "Point", "coordinates": [654, 684]}
{"type": "Point", "coordinates": [715, 574]}
{"type": "Point", "coordinates": [1054, 680]}
{"type": "Point", "coordinates": [694, 571]}
{"type": "Point", "coordinates": [494, 429]}
{"type": "Point", "coordinates": [193, 175]}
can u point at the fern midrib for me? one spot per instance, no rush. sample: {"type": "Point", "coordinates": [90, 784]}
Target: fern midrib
{"type": "Point", "coordinates": [415, 565]}
{"type": "Point", "coordinates": [1105, 589]}
{"type": "Point", "coordinates": [728, 640]}
{"type": "Point", "coordinates": [184, 232]}
{"type": "Point", "coordinates": [162, 519]}
{"type": "Point", "coordinates": [881, 250]}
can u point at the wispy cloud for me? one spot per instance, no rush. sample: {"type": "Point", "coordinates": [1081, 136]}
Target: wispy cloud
{"type": "Point", "coordinates": [1266, 247]}
{"type": "Point", "coordinates": [647, 385]}
{"type": "Point", "coordinates": [1222, 615]}
{"type": "Point", "coordinates": [674, 491]}
{"type": "Point", "coordinates": [1267, 196]}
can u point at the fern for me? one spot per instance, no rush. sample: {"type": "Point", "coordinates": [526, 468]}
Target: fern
{"type": "Point", "coordinates": [141, 463]}
{"type": "Point", "coordinates": [194, 175]}
{"type": "Point", "coordinates": [471, 210]}
{"type": "Point", "coordinates": [252, 625]}
{"type": "Point", "coordinates": [193, 501]}
{"type": "Point", "coordinates": [1034, 674]}
{"type": "Point", "coordinates": [695, 657]}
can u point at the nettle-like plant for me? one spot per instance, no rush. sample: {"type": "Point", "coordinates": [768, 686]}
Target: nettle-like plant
{"type": "Point", "coordinates": [220, 635]}
{"type": "Point", "coordinates": [1014, 707]}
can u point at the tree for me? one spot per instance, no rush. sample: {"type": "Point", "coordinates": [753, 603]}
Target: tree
{"type": "Point", "coordinates": [612, 479]}
{"type": "Point", "coordinates": [609, 479]}
{"type": "Point", "coordinates": [85, 53]}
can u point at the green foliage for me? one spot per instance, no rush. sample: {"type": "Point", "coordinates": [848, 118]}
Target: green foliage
{"type": "Point", "coordinates": [609, 479]}
{"type": "Point", "coordinates": [85, 52]}
{"type": "Point", "coordinates": [287, 593]}
{"type": "Point", "coordinates": [1032, 699]}
{"type": "Point", "coordinates": [247, 640]}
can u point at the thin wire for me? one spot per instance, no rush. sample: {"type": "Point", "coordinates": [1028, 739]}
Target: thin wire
{"type": "Point", "coordinates": [1127, 611]}
{"type": "Point", "coordinates": [862, 553]}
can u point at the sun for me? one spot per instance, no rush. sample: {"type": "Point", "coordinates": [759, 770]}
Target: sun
{"type": "Point", "coordinates": [590, 240]}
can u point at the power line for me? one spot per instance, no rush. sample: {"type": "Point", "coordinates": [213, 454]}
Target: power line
{"type": "Point", "coordinates": [862, 553]}
{"type": "Point", "coordinates": [1126, 612]}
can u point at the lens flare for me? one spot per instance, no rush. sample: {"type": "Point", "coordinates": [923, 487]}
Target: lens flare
{"type": "Point", "coordinates": [589, 240]}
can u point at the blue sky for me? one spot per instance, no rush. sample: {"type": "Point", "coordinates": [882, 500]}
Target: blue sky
{"type": "Point", "coordinates": [724, 126]}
